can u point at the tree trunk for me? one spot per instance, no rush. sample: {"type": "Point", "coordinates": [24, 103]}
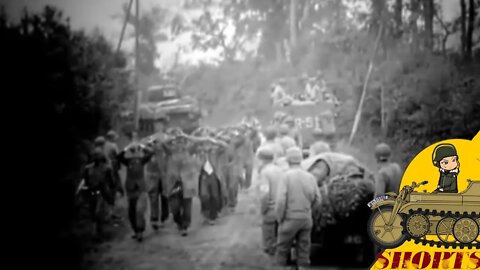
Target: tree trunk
{"type": "Point", "coordinates": [378, 7]}
{"type": "Point", "coordinates": [398, 17]}
{"type": "Point", "coordinates": [414, 6]}
{"type": "Point", "coordinates": [463, 27]}
{"type": "Point", "coordinates": [293, 23]}
{"type": "Point", "coordinates": [471, 22]}
{"type": "Point", "coordinates": [305, 13]}
{"type": "Point", "coordinates": [428, 17]}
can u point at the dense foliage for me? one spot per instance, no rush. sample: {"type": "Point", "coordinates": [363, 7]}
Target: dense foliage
{"type": "Point", "coordinates": [430, 90]}
{"type": "Point", "coordinates": [68, 86]}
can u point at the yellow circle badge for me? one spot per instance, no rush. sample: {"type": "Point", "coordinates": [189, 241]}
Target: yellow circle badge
{"type": "Point", "coordinates": [433, 221]}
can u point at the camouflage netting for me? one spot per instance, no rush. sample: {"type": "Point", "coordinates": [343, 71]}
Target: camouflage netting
{"type": "Point", "coordinates": [341, 196]}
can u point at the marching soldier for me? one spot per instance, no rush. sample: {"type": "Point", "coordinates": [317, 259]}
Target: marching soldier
{"type": "Point", "coordinates": [112, 151]}
{"type": "Point", "coordinates": [319, 146]}
{"type": "Point", "coordinates": [157, 172]}
{"type": "Point", "coordinates": [224, 157]}
{"type": "Point", "coordinates": [245, 153]}
{"type": "Point", "coordinates": [284, 138]}
{"type": "Point", "coordinates": [270, 136]}
{"type": "Point", "coordinates": [210, 186]}
{"type": "Point", "coordinates": [269, 178]}
{"type": "Point", "coordinates": [183, 171]}
{"type": "Point", "coordinates": [296, 197]}
{"type": "Point", "coordinates": [134, 157]}
{"type": "Point", "coordinates": [235, 169]}
{"type": "Point", "coordinates": [293, 131]}
{"type": "Point", "coordinates": [98, 177]}
{"type": "Point", "coordinates": [389, 175]}
{"type": "Point", "coordinates": [153, 178]}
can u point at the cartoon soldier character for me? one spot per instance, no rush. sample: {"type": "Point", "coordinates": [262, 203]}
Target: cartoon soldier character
{"type": "Point", "coordinates": [446, 159]}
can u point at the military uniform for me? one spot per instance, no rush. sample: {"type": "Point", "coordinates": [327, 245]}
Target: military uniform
{"type": "Point", "coordinates": [388, 178]}
{"type": "Point", "coordinates": [235, 172]}
{"type": "Point", "coordinates": [134, 158]}
{"type": "Point", "coordinates": [156, 179]}
{"type": "Point", "coordinates": [210, 190]}
{"type": "Point", "coordinates": [297, 195]}
{"type": "Point", "coordinates": [183, 170]}
{"type": "Point", "coordinates": [269, 177]}
{"type": "Point", "coordinates": [246, 155]}
{"type": "Point", "coordinates": [98, 178]}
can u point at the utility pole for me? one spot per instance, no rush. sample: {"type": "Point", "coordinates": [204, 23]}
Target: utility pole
{"type": "Point", "coordinates": [137, 90]}
{"type": "Point", "coordinates": [127, 18]}
{"type": "Point", "coordinates": [136, 71]}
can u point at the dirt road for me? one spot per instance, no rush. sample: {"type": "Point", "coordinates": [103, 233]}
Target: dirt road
{"type": "Point", "coordinates": [233, 243]}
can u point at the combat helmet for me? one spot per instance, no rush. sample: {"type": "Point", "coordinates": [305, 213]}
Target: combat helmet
{"type": "Point", "coordinates": [442, 151]}
{"type": "Point", "coordinates": [382, 151]}
{"type": "Point", "coordinates": [289, 120]}
{"type": "Point", "coordinates": [99, 141]}
{"type": "Point", "coordinates": [294, 155]}
{"type": "Point", "coordinates": [265, 153]}
{"type": "Point", "coordinates": [112, 135]}
{"type": "Point", "coordinates": [270, 133]}
{"type": "Point", "coordinates": [284, 129]}
{"type": "Point", "coordinates": [317, 133]}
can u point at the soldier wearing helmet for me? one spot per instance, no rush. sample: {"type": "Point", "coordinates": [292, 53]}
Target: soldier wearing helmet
{"type": "Point", "coordinates": [389, 174]}
{"type": "Point", "coordinates": [134, 157]}
{"type": "Point", "coordinates": [98, 178]}
{"type": "Point", "coordinates": [293, 131]}
{"type": "Point", "coordinates": [294, 211]}
{"type": "Point", "coordinates": [156, 173]}
{"type": "Point", "coordinates": [319, 146]}
{"type": "Point", "coordinates": [99, 142]}
{"type": "Point", "coordinates": [111, 152]}
{"type": "Point", "coordinates": [445, 158]}
{"type": "Point", "coordinates": [284, 138]}
{"type": "Point", "coordinates": [266, 190]}
{"type": "Point", "coordinates": [270, 136]}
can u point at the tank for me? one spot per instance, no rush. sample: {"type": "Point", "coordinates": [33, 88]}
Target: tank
{"type": "Point", "coordinates": [434, 219]}
{"type": "Point", "coordinates": [166, 102]}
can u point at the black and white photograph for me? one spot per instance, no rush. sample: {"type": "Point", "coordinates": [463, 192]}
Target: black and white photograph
{"type": "Point", "coordinates": [225, 134]}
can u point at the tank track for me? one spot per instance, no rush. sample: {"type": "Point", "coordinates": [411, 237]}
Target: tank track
{"type": "Point", "coordinates": [424, 241]}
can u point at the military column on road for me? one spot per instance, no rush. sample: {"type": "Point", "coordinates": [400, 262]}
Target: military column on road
{"type": "Point", "coordinates": [166, 170]}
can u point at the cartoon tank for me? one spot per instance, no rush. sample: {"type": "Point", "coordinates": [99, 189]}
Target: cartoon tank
{"type": "Point", "coordinates": [435, 219]}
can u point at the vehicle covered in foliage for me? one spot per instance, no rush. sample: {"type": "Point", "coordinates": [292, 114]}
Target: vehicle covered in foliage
{"type": "Point", "coordinates": [165, 102]}
{"type": "Point", "coordinates": [339, 233]}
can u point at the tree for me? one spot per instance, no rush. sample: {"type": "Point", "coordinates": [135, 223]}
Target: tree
{"type": "Point", "coordinates": [471, 26]}
{"type": "Point", "coordinates": [151, 30]}
{"type": "Point", "coordinates": [63, 79]}
{"type": "Point", "coordinates": [293, 23]}
{"type": "Point", "coordinates": [428, 12]}
{"type": "Point", "coordinates": [463, 27]}
{"type": "Point", "coordinates": [398, 8]}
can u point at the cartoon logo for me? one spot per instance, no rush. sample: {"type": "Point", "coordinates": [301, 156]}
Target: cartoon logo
{"type": "Point", "coordinates": [431, 215]}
